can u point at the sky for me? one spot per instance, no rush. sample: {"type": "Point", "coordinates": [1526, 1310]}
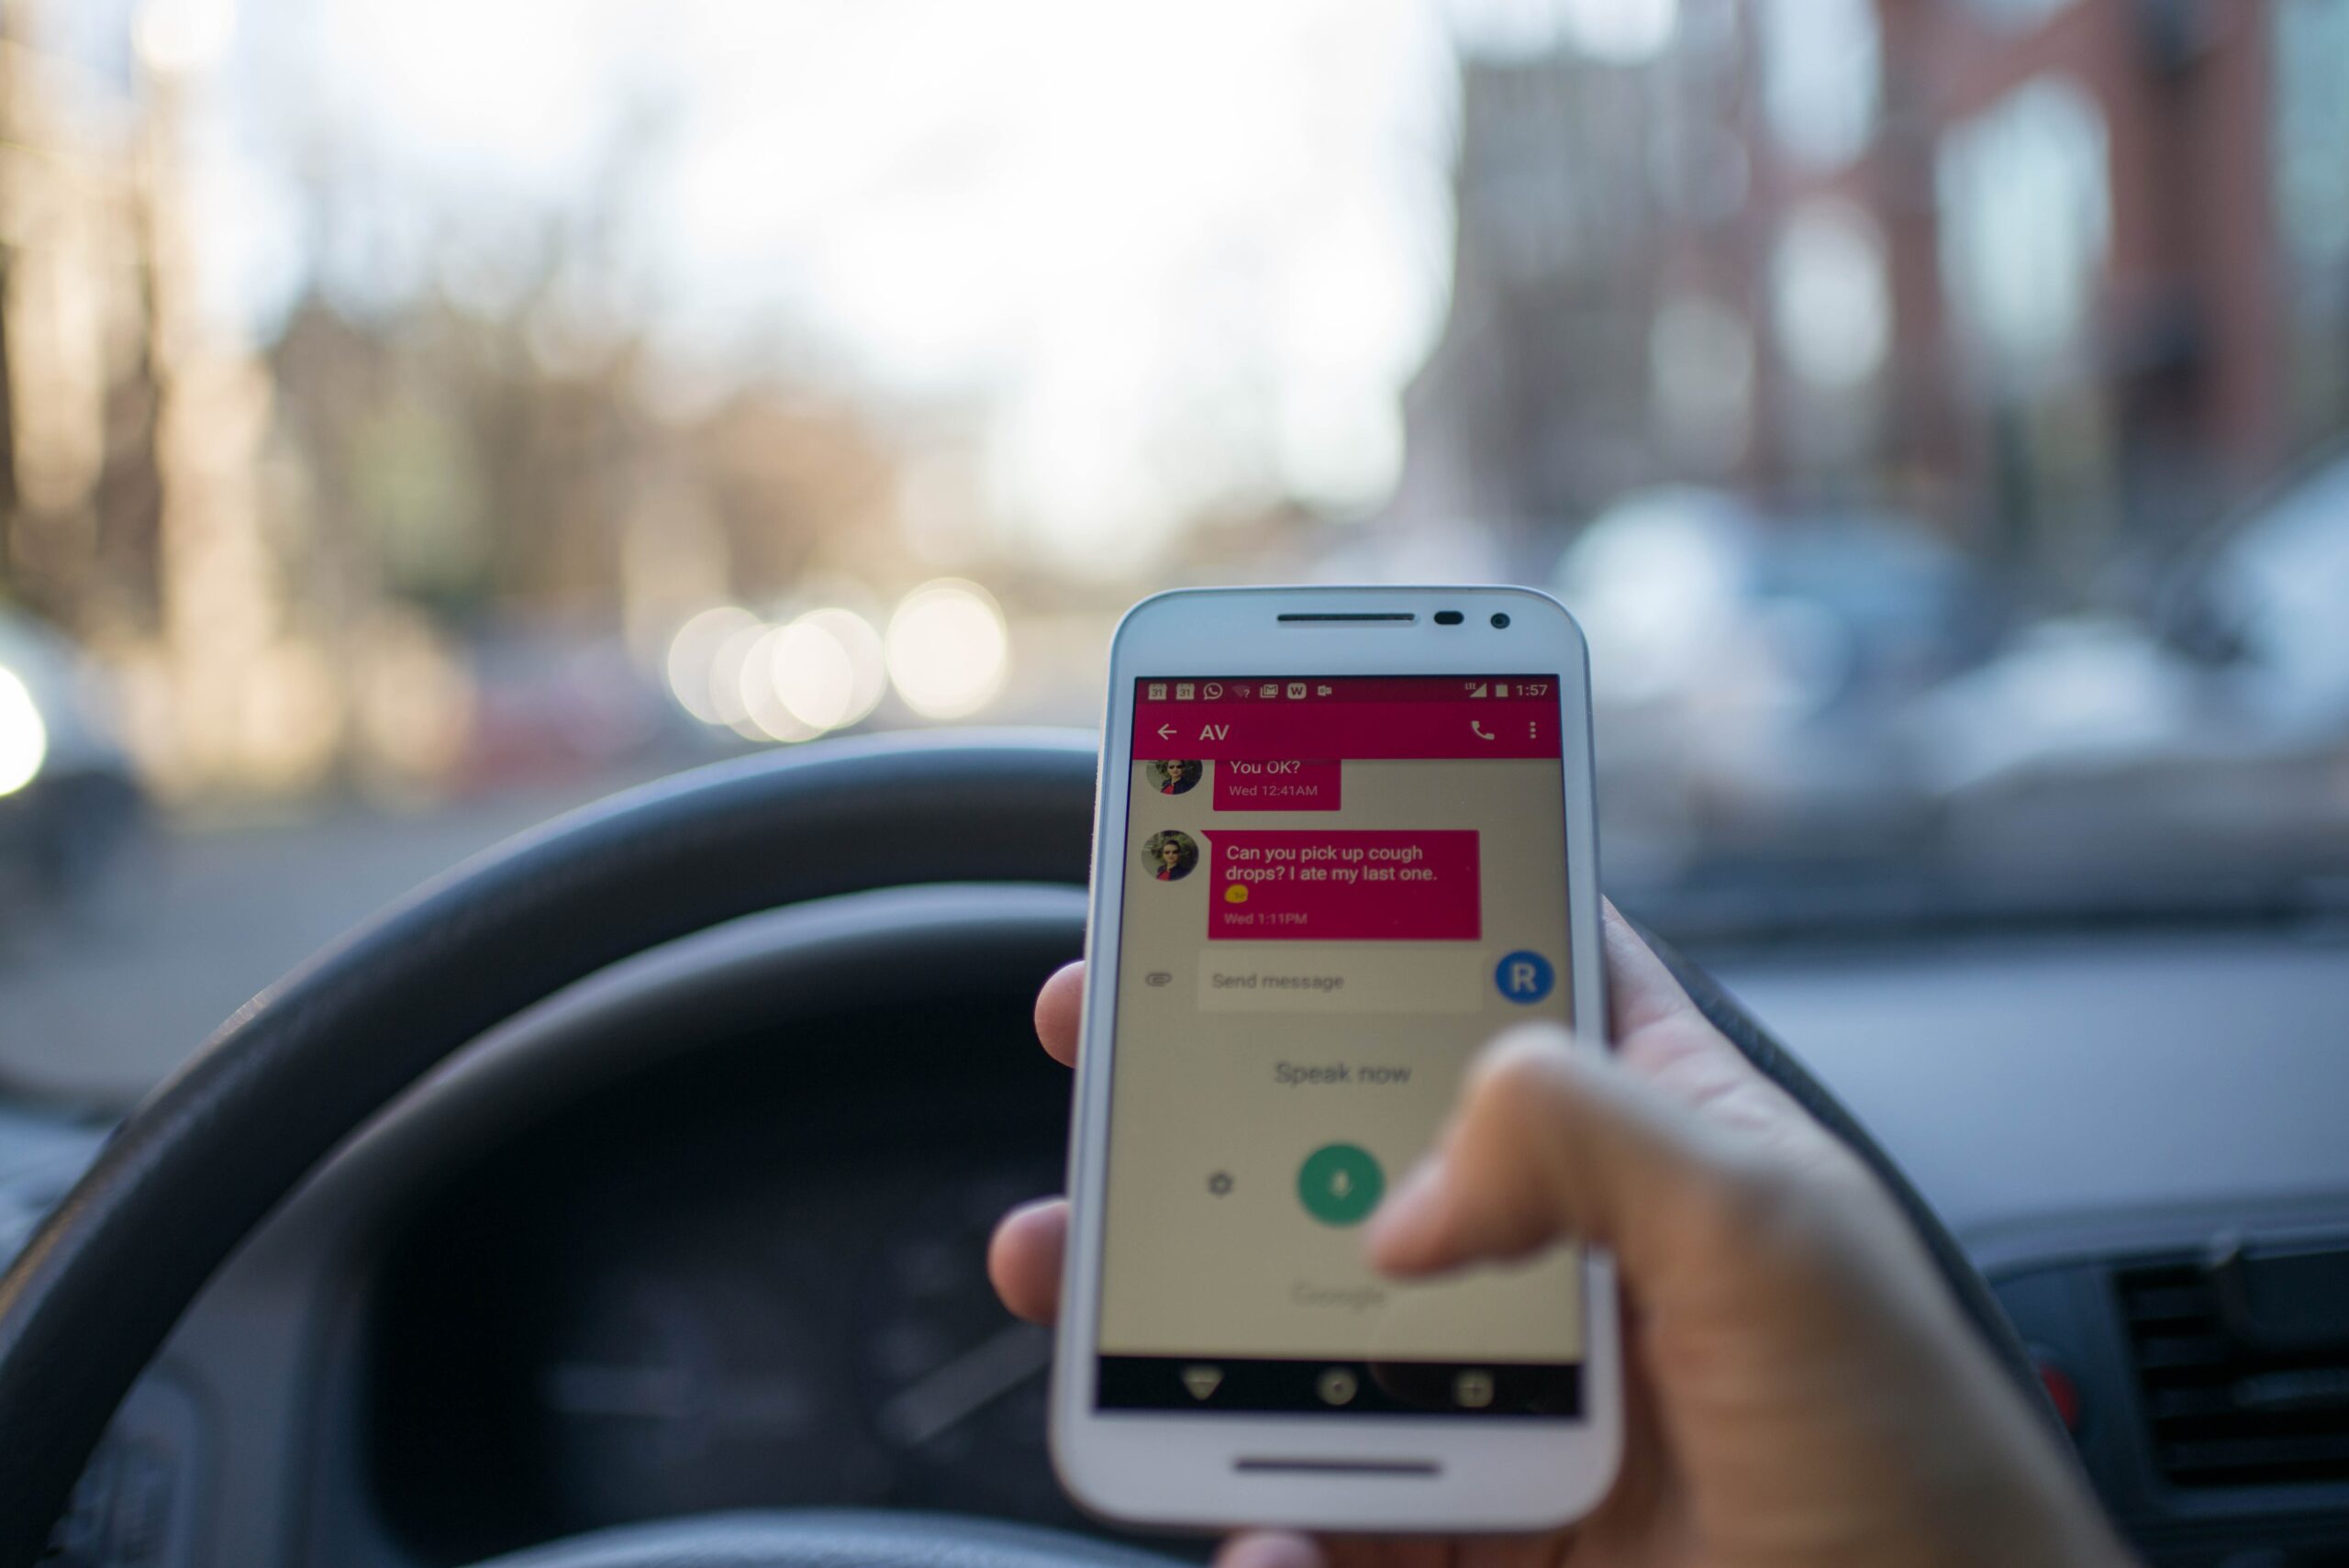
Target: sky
{"type": "Point", "coordinates": [1168, 253]}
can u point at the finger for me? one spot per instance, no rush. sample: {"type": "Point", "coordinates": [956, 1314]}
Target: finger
{"type": "Point", "coordinates": [1666, 1039]}
{"type": "Point", "coordinates": [1641, 992]}
{"type": "Point", "coordinates": [1663, 1035]}
{"type": "Point", "coordinates": [1552, 1141]}
{"type": "Point", "coordinates": [1512, 1551]}
{"type": "Point", "coordinates": [1024, 1259]}
{"type": "Point", "coordinates": [1270, 1549]}
{"type": "Point", "coordinates": [1060, 1007]}
{"type": "Point", "coordinates": [1388, 1550]}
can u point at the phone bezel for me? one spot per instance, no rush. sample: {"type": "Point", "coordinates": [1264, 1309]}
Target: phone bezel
{"type": "Point", "coordinates": [1160, 1469]}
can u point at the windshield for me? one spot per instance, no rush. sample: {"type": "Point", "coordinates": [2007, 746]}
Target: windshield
{"type": "Point", "coordinates": [418, 417]}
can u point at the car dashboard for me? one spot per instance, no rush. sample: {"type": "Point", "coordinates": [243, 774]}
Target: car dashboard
{"type": "Point", "coordinates": [708, 1232]}
{"type": "Point", "coordinates": [757, 1282]}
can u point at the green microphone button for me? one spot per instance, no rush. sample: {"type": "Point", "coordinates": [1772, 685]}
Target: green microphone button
{"type": "Point", "coordinates": [1340, 1185]}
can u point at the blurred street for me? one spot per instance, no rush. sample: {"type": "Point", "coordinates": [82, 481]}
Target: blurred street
{"type": "Point", "coordinates": [1935, 415]}
{"type": "Point", "coordinates": [102, 1001]}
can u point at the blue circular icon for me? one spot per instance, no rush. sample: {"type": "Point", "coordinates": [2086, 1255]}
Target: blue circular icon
{"type": "Point", "coordinates": [1524, 978]}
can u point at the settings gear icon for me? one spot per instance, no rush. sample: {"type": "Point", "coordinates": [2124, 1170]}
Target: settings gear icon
{"type": "Point", "coordinates": [1219, 1183]}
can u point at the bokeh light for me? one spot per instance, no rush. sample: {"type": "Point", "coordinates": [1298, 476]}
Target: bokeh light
{"type": "Point", "coordinates": [728, 667]}
{"type": "Point", "coordinates": [811, 675]}
{"type": "Point", "coordinates": [948, 650]}
{"type": "Point", "coordinates": [692, 664]}
{"type": "Point", "coordinates": [24, 739]}
{"type": "Point", "coordinates": [766, 715]}
{"type": "Point", "coordinates": [794, 680]}
{"type": "Point", "coordinates": [835, 672]}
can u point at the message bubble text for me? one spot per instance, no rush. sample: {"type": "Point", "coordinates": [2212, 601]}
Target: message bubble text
{"type": "Point", "coordinates": [1285, 784]}
{"type": "Point", "coordinates": [1285, 885]}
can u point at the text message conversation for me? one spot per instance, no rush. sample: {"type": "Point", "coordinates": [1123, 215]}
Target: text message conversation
{"type": "Point", "coordinates": [1338, 889]}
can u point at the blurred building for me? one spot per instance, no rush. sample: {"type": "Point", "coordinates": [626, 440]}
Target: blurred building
{"type": "Point", "coordinates": [2066, 276]}
{"type": "Point", "coordinates": [78, 493]}
{"type": "Point", "coordinates": [348, 548]}
{"type": "Point", "coordinates": [133, 511]}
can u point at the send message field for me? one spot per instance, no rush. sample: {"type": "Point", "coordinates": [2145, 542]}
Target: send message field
{"type": "Point", "coordinates": [1331, 978]}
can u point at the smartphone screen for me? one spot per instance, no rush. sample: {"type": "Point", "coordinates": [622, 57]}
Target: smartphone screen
{"type": "Point", "coordinates": [1338, 889]}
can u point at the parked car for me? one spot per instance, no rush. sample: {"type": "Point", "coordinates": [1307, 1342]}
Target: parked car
{"type": "Point", "coordinates": [70, 800]}
{"type": "Point", "coordinates": [1744, 667]}
{"type": "Point", "coordinates": [2091, 743]}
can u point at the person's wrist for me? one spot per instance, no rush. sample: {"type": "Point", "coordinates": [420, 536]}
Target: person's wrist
{"type": "Point", "coordinates": [2072, 1533]}
{"type": "Point", "coordinates": [2025, 1500]}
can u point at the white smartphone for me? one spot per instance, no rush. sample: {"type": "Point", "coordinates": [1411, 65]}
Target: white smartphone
{"type": "Point", "coordinates": [1345, 836]}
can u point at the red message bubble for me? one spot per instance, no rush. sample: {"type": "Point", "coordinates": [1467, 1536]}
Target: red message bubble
{"type": "Point", "coordinates": [1282, 784]}
{"type": "Point", "coordinates": [1284, 884]}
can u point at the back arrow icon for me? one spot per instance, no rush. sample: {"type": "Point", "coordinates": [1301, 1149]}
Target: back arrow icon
{"type": "Point", "coordinates": [1164, 731]}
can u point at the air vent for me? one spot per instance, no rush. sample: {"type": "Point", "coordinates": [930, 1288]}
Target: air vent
{"type": "Point", "coordinates": [2242, 1377]}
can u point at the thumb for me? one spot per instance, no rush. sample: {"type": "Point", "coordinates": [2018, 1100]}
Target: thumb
{"type": "Point", "coordinates": [1555, 1142]}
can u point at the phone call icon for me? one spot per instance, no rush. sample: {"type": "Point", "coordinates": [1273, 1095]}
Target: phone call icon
{"type": "Point", "coordinates": [1479, 731]}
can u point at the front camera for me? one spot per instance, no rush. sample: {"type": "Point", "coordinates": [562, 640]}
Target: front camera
{"type": "Point", "coordinates": [1499, 621]}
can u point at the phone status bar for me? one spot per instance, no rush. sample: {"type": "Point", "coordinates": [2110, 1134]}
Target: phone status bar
{"type": "Point", "coordinates": [1349, 688]}
{"type": "Point", "coordinates": [1341, 717]}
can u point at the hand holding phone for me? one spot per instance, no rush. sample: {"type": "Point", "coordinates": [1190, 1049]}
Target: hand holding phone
{"type": "Point", "coordinates": [1813, 1394]}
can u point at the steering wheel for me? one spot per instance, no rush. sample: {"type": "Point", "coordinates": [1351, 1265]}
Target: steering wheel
{"type": "Point", "coordinates": [199, 1164]}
